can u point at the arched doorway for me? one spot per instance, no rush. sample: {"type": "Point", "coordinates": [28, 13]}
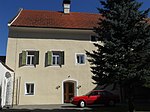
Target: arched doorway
{"type": "Point", "coordinates": [69, 90]}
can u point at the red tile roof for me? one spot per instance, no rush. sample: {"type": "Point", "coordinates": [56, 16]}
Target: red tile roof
{"type": "Point", "coordinates": [50, 19]}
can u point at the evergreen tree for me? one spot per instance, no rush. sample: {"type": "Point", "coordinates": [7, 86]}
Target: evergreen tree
{"type": "Point", "coordinates": [123, 52]}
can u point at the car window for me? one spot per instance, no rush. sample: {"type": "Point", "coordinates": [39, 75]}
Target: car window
{"type": "Point", "coordinates": [101, 93]}
{"type": "Point", "coordinates": [93, 93]}
{"type": "Point", "coordinates": [108, 93]}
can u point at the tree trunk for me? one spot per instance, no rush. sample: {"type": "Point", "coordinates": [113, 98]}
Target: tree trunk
{"type": "Point", "coordinates": [131, 104]}
{"type": "Point", "coordinates": [121, 94]}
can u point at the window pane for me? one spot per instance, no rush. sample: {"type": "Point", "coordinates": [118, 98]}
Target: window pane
{"type": "Point", "coordinates": [94, 93]}
{"type": "Point", "coordinates": [31, 52]}
{"type": "Point", "coordinates": [82, 59]}
{"type": "Point", "coordinates": [53, 60]}
{"type": "Point", "coordinates": [27, 88]}
{"type": "Point", "coordinates": [93, 39]}
{"type": "Point", "coordinates": [32, 88]}
{"type": "Point", "coordinates": [78, 59]}
{"type": "Point", "coordinates": [57, 60]}
{"type": "Point", "coordinates": [30, 57]}
{"type": "Point", "coordinates": [32, 60]}
{"type": "Point", "coordinates": [28, 60]}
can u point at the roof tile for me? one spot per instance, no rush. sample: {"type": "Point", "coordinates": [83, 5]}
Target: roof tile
{"type": "Point", "coordinates": [50, 19]}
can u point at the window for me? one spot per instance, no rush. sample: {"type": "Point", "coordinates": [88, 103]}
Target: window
{"type": "Point", "coordinates": [94, 38]}
{"type": "Point", "coordinates": [29, 89]}
{"type": "Point", "coordinates": [54, 58]}
{"type": "Point", "coordinates": [28, 58]}
{"type": "Point", "coordinates": [80, 59]}
{"type": "Point", "coordinates": [94, 93]}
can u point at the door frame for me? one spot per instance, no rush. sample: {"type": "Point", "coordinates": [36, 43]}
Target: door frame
{"type": "Point", "coordinates": [75, 87]}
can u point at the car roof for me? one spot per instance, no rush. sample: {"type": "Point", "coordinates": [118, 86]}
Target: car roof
{"type": "Point", "coordinates": [99, 90]}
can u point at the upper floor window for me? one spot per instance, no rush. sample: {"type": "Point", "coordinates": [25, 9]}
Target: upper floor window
{"type": "Point", "coordinates": [28, 58]}
{"type": "Point", "coordinates": [54, 58]}
{"type": "Point", "coordinates": [80, 58]}
{"type": "Point", "coordinates": [94, 38]}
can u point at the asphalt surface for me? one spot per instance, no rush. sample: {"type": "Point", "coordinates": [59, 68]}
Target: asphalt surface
{"type": "Point", "coordinates": [51, 107]}
{"type": "Point", "coordinates": [72, 108]}
{"type": "Point", "coordinates": [47, 108]}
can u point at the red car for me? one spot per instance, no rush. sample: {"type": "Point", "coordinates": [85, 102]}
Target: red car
{"type": "Point", "coordinates": [96, 97]}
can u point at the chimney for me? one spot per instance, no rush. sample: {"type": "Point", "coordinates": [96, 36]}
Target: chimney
{"type": "Point", "coordinates": [66, 6]}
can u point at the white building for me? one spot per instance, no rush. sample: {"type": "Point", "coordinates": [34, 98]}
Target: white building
{"type": "Point", "coordinates": [6, 85]}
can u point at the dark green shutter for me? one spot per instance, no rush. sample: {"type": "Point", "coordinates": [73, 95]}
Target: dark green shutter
{"type": "Point", "coordinates": [20, 59]}
{"type": "Point", "coordinates": [36, 57]}
{"type": "Point", "coordinates": [62, 57]}
{"type": "Point", "coordinates": [49, 58]}
{"type": "Point", "coordinates": [23, 60]}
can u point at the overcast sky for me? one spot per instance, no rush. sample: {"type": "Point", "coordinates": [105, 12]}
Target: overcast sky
{"type": "Point", "coordinates": [9, 8]}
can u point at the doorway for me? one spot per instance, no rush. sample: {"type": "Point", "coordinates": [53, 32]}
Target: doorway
{"type": "Point", "coordinates": [69, 91]}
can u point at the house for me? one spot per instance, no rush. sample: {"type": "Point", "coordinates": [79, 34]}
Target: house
{"type": "Point", "coordinates": [46, 50]}
{"type": "Point", "coordinates": [6, 85]}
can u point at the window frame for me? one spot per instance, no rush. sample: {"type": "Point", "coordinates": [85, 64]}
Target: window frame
{"type": "Point", "coordinates": [76, 59]}
{"type": "Point", "coordinates": [57, 59]}
{"type": "Point", "coordinates": [95, 39]}
{"type": "Point", "coordinates": [30, 93]}
{"type": "Point", "coordinates": [28, 59]}
{"type": "Point", "coordinates": [31, 58]}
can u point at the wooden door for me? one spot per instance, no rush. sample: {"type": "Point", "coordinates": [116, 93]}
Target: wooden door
{"type": "Point", "coordinates": [68, 91]}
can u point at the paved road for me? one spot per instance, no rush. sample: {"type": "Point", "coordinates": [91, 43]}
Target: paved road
{"type": "Point", "coordinates": [51, 107]}
{"type": "Point", "coordinates": [48, 108]}
{"type": "Point", "coordinates": [72, 108]}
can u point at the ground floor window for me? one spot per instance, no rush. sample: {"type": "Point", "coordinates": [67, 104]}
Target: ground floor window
{"type": "Point", "coordinates": [29, 89]}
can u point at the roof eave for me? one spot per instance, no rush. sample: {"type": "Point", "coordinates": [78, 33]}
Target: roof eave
{"type": "Point", "coordinates": [52, 27]}
{"type": "Point", "coordinates": [6, 66]}
{"type": "Point", "coordinates": [13, 20]}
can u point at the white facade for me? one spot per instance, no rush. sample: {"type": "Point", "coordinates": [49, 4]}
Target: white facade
{"type": "Point", "coordinates": [6, 85]}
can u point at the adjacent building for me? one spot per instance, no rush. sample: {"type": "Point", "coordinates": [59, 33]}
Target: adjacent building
{"type": "Point", "coordinates": [6, 85]}
{"type": "Point", "coordinates": [46, 50]}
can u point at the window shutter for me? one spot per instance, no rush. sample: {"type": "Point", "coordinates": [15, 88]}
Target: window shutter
{"type": "Point", "coordinates": [49, 58]}
{"type": "Point", "coordinates": [20, 59]}
{"type": "Point", "coordinates": [62, 58]}
{"type": "Point", "coordinates": [23, 59]}
{"type": "Point", "coordinates": [36, 57]}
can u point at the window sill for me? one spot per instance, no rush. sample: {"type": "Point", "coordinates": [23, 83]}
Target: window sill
{"type": "Point", "coordinates": [80, 64]}
{"type": "Point", "coordinates": [32, 66]}
{"type": "Point", "coordinates": [29, 94]}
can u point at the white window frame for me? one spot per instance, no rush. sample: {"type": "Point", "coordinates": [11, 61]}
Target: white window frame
{"type": "Point", "coordinates": [77, 54]}
{"type": "Point", "coordinates": [31, 59]}
{"type": "Point", "coordinates": [29, 94]}
{"type": "Point", "coordinates": [56, 56]}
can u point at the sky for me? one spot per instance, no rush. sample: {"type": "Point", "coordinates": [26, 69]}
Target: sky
{"type": "Point", "coordinates": [9, 8]}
